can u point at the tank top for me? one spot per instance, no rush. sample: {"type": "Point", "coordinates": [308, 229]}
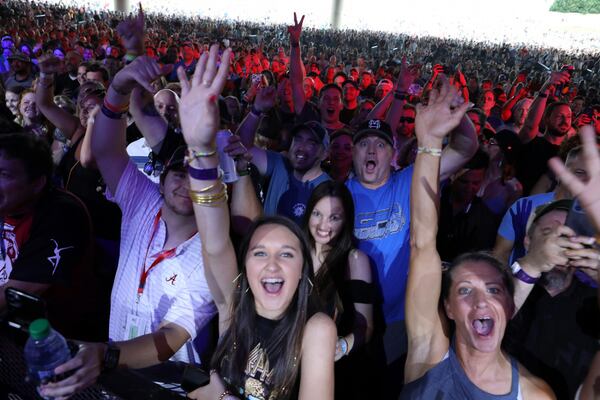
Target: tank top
{"type": "Point", "coordinates": [448, 381]}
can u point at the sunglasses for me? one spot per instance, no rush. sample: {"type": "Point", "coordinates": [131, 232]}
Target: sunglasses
{"type": "Point", "coordinates": [409, 120]}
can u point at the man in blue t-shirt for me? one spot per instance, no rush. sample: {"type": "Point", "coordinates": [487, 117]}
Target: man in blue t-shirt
{"type": "Point", "coordinates": [509, 245]}
{"type": "Point", "coordinates": [293, 177]}
{"type": "Point", "coordinates": [381, 200]}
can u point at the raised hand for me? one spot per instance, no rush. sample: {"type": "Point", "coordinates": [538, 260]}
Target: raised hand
{"type": "Point", "coordinates": [198, 108]}
{"type": "Point", "coordinates": [442, 114]}
{"type": "Point", "coordinates": [49, 64]}
{"type": "Point", "coordinates": [460, 78]}
{"type": "Point", "coordinates": [240, 154]}
{"type": "Point", "coordinates": [408, 74]}
{"type": "Point", "coordinates": [265, 99]}
{"type": "Point", "coordinates": [295, 30]}
{"type": "Point", "coordinates": [142, 71]}
{"type": "Point", "coordinates": [588, 192]}
{"type": "Point", "coordinates": [131, 31]}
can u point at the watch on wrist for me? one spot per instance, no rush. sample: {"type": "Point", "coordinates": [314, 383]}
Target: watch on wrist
{"type": "Point", "coordinates": [521, 275]}
{"type": "Point", "coordinates": [111, 358]}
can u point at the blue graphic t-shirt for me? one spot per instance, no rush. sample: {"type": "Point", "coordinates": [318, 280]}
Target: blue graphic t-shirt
{"type": "Point", "coordinates": [382, 227]}
{"type": "Point", "coordinates": [287, 195]}
{"type": "Point", "coordinates": [514, 223]}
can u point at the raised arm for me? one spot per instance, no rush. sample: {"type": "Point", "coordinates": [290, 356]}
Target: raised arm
{"type": "Point", "coordinates": [462, 146]}
{"type": "Point", "coordinates": [199, 114]}
{"type": "Point", "coordinates": [531, 127]}
{"type": "Point", "coordinates": [152, 126]}
{"type": "Point", "coordinates": [406, 77]}
{"type": "Point", "coordinates": [427, 342]}
{"type": "Point", "coordinates": [297, 73]}
{"type": "Point", "coordinates": [263, 102]}
{"type": "Point", "coordinates": [44, 96]}
{"type": "Point", "coordinates": [245, 206]}
{"type": "Point", "coordinates": [382, 106]}
{"type": "Point", "coordinates": [108, 139]}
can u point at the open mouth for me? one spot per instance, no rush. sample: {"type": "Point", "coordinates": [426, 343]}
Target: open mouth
{"type": "Point", "coordinates": [330, 111]}
{"type": "Point", "coordinates": [370, 166]}
{"type": "Point", "coordinates": [272, 285]}
{"type": "Point", "coordinates": [323, 234]}
{"type": "Point", "coordinates": [483, 326]}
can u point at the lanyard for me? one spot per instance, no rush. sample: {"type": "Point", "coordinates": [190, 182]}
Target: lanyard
{"type": "Point", "coordinates": [161, 256]}
{"type": "Point", "coordinates": [2, 244]}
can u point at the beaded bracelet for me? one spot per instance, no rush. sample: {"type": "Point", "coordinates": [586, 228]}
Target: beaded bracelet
{"type": "Point", "coordinates": [429, 150]}
{"type": "Point", "coordinates": [193, 155]}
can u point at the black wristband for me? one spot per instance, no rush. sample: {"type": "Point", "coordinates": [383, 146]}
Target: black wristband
{"type": "Point", "coordinates": [111, 358]}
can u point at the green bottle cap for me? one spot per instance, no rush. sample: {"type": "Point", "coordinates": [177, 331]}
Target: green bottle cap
{"type": "Point", "coordinates": [39, 329]}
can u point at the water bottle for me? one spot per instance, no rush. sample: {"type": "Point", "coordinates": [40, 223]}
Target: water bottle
{"type": "Point", "coordinates": [226, 163]}
{"type": "Point", "coordinates": [45, 350]}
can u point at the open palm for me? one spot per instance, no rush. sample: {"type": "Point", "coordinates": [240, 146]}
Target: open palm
{"type": "Point", "coordinates": [198, 108]}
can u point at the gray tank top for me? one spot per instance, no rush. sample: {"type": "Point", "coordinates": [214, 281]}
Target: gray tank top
{"type": "Point", "coordinates": [448, 381]}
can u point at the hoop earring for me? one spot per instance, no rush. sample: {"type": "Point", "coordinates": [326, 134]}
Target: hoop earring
{"type": "Point", "coordinates": [311, 285]}
{"type": "Point", "coordinates": [237, 278]}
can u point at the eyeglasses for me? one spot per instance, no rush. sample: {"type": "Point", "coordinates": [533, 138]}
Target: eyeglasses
{"type": "Point", "coordinates": [409, 120]}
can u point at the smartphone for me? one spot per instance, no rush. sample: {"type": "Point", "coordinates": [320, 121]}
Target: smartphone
{"type": "Point", "coordinates": [23, 308]}
{"type": "Point", "coordinates": [578, 220]}
{"type": "Point", "coordinates": [193, 378]}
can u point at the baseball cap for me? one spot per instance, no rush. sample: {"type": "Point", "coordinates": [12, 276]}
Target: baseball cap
{"type": "Point", "coordinates": [562, 205]}
{"type": "Point", "coordinates": [385, 82]}
{"type": "Point", "coordinates": [316, 129]}
{"type": "Point", "coordinates": [177, 159]}
{"type": "Point", "coordinates": [375, 127]}
{"type": "Point", "coordinates": [350, 82]}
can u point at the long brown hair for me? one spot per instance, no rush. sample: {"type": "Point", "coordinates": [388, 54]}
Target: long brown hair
{"type": "Point", "coordinates": [285, 345]}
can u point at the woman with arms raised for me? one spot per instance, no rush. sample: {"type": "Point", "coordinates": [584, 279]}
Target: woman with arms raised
{"type": "Point", "coordinates": [476, 291]}
{"type": "Point", "coordinates": [268, 337]}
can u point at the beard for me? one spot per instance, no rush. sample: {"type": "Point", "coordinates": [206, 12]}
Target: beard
{"type": "Point", "coordinates": [557, 279]}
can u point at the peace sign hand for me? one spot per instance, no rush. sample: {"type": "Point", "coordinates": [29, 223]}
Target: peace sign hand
{"type": "Point", "coordinates": [295, 30]}
{"type": "Point", "coordinates": [198, 108]}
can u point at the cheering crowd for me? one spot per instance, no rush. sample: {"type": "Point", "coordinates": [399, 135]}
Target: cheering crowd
{"type": "Point", "coordinates": [304, 213]}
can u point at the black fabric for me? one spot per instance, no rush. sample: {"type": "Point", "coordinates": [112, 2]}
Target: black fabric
{"type": "Point", "coordinates": [60, 221]}
{"type": "Point", "coordinates": [87, 184]}
{"type": "Point", "coordinates": [472, 230]}
{"type": "Point", "coordinates": [361, 291]}
{"type": "Point", "coordinates": [532, 162]}
{"type": "Point", "coordinates": [66, 86]}
{"type": "Point", "coordinates": [346, 115]}
{"type": "Point", "coordinates": [555, 338]}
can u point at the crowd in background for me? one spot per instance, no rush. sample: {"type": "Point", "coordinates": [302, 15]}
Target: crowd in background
{"type": "Point", "coordinates": [331, 134]}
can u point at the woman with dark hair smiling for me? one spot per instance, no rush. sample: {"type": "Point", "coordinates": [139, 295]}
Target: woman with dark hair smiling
{"type": "Point", "coordinates": [343, 282]}
{"type": "Point", "coordinates": [342, 272]}
{"type": "Point", "coordinates": [465, 360]}
{"type": "Point", "coordinates": [270, 345]}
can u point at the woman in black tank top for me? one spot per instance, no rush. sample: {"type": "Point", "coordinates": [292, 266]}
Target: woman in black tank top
{"type": "Point", "coordinates": [270, 284]}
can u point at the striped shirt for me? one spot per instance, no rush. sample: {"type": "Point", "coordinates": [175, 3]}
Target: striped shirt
{"type": "Point", "coordinates": [175, 291]}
